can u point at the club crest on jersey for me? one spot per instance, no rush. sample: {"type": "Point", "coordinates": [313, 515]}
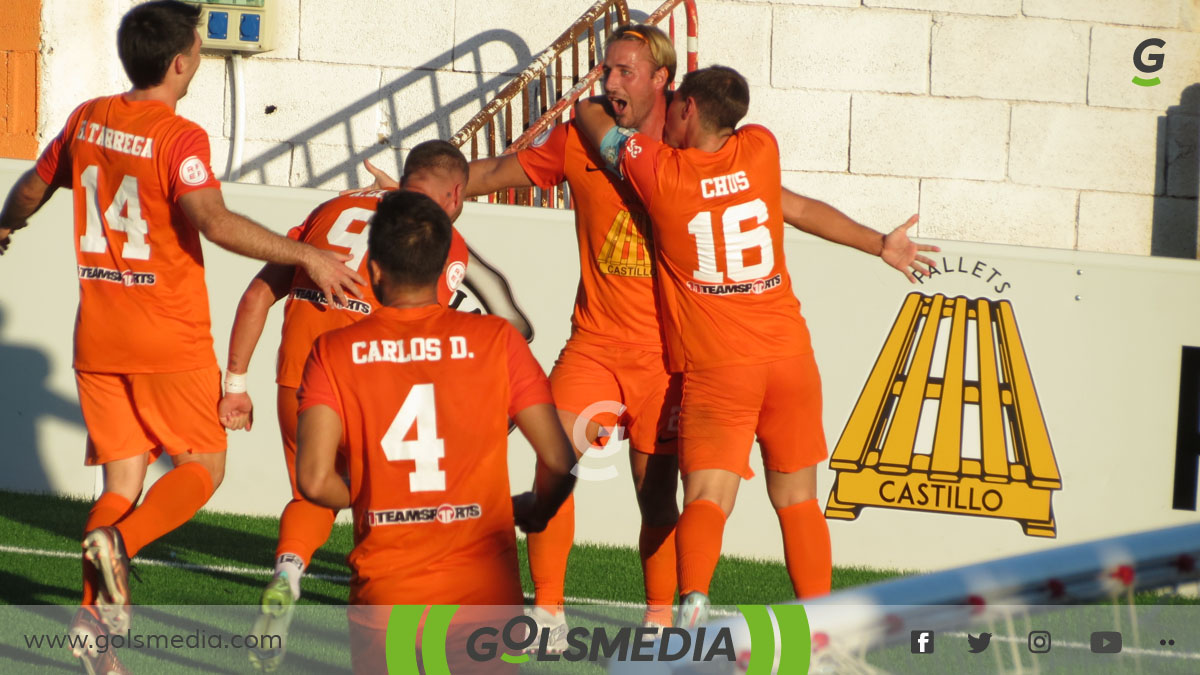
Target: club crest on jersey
{"type": "Point", "coordinates": [757, 287]}
{"type": "Point", "coordinates": [625, 252]}
{"type": "Point", "coordinates": [444, 514]}
{"type": "Point", "coordinates": [125, 278]}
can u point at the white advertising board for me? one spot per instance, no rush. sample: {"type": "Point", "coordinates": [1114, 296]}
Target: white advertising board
{"type": "Point", "coordinates": [1041, 409]}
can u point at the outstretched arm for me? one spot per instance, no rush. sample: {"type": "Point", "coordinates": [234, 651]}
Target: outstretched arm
{"type": "Point", "coordinates": [553, 480]}
{"type": "Point", "coordinates": [232, 232]}
{"type": "Point", "coordinates": [496, 173]}
{"type": "Point", "coordinates": [270, 285]}
{"type": "Point", "coordinates": [27, 196]}
{"type": "Point", "coordinates": [895, 248]}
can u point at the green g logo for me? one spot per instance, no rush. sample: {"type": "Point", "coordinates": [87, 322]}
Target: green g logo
{"type": "Point", "coordinates": [1148, 63]}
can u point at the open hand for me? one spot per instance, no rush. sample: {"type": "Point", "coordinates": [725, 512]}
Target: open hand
{"type": "Point", "coordinates": [904, 254]}
{"type": "Point", "coordinates": [382, 180]}
{"type": "Point", "coordinates": [328, 271]}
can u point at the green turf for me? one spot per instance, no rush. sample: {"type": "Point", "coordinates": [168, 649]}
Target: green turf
{"type": "Point", "coordinates": [46, 522]}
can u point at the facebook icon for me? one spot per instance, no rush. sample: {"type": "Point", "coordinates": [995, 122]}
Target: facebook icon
{"type": "Point", "coordinates": [922, 642]}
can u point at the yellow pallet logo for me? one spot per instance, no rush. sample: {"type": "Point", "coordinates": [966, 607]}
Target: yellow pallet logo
{"type": "Point", "coordinates": [980, 397]}
{"type": "Point", "coordinates": [625, 252]}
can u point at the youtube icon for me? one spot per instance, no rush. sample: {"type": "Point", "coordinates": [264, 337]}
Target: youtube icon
{"type": "Point", "coordinates": [1106, 642]}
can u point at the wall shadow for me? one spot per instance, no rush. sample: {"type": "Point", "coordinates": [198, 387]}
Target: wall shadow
{"type": "Point", "coordinates": [393, 101]}
{"type": "Point", "coordinates": [25, 399]}
{"type": "Point", "coordinates": [1176, 219]}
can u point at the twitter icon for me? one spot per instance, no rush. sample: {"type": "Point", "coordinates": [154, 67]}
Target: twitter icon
{"type": "Point", "coordinates": [980, 643]}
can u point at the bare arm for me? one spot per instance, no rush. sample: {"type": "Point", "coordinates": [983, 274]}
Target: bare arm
{"type": "Point", "coordinates": [593, 119]}
{"type": "Point", "coordinates": [232, 232]}
{"type": "Point", "coordinates": [486, 176]}
{"type": "Point", "coordinates": [24, 200]}
{"type": "Point", "coordinates": [895, 248]}
{"type": "Point", "coordinates": [317, 439]}
{"type": "Point", "coordinates": [496, 173]}
{"type": "Point", "coordinates": [553, 480]}
{"type": "Point", "coordinates": [270, 285]}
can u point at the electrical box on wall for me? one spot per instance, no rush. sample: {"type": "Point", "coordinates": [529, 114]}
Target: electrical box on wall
{"type": "Point", "coordinates": [237, 25]}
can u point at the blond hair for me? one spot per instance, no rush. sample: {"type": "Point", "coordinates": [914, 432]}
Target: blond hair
{"type": "Point", "coordinates": [662, 52]}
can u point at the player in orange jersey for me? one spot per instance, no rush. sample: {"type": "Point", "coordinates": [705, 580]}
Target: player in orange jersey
{"type": "Point", "coordinates": [615, 352]}
{"type": "Point", "coordinates": [732, 323]}
{"type": "Point", "coordinates": [415, 400]}
{"type": "Point", "coordinates": [147, 375]}
{"type": "Point", "coordinates": [434, 168]}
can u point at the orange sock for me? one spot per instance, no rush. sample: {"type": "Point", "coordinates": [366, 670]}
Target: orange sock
{"type": "Point", "coordinates": [169, 503]}
{"type": "Point", "coordinates": [698, 542]}
{"type": "Point", "coordinates": [548, 553]}
{"type": "Point", "coordinates": [657, 546]}
{"type": "Point", "coordinates": [303, 528]}
{"type": "Point", "coordinates": [806, 548]}
{"type": "Point", "coordinates": [109, 509]}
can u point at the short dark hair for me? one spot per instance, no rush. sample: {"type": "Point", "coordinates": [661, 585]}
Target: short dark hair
{"type": "Point", "coordinates": [410, 238]}
{"type": "Point", "coordinates": [151, 35]}
{"type": "Point", "coordinates": [720, 92]}
{"type": "Point", "coordinates": [434, 156]}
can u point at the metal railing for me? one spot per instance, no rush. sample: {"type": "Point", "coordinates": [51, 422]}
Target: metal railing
{"type": "Point", "coordinates": [545, 91]}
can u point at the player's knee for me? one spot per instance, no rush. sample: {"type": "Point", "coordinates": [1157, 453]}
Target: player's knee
{"type": "Point", "coordinates": [658, 511]}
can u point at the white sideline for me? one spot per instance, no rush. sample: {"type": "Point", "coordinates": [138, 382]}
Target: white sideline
{"type": "Point", "coordinates": [259, 571]}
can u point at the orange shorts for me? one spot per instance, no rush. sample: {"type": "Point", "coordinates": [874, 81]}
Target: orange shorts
{"type": "Point", "coordinates": [288, 406]}
{"type": "Point", "coordinates": [625, 387]}
{"type": "Point", "coordinates": [725, 408]}
{"type": "Point", "coordinates": [127, 415]}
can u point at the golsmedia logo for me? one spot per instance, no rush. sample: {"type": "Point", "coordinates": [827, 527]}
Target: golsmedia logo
{"type": "Point", "coordinates": [607, 644]}
{"type": "Point", "coordinates": [1148, 63]}
{"type": "Point", "coordinates": [714, 644]}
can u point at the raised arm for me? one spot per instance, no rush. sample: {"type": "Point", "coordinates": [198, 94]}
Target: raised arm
{"type": "Point", "coordinates": [496, 173]}
{"type": "Point", "coordinates": [269, 286]}
{"type": "Point", "coordinates": [24, 200]}
{"type": "Point", "coordinates": [317, 438]}
{"type": "Point", "coordinates": [895, 248]}
{"type": "Point", "coordinates": [594, 120]}
{"type": "Point", "coordinates": [553, 480]}
{"type": "Point", "coordinates": [232, 232]}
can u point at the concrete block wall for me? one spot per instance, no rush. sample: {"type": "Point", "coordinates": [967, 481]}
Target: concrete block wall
{"type": "Point", "coordinates": [1006, 121]}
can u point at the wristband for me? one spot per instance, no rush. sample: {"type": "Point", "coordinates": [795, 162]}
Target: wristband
{"type": "Point", "coordinates": [235, 383]}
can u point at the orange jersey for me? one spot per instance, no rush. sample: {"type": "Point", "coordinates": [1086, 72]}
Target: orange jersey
{"type": "Point", "coordinates": [725, 292]}
{"type": "Point", "coordinates": [143, 304]}
{"type": "Point", "coordinates": [425, 395]}
{"type": "Point", "coordinates": [340, 225]}
{"type": "Point", "coordinates": [615, 300]}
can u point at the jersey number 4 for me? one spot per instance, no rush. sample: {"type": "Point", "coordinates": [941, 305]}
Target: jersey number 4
{"type": "Point", "coordinates": [737, 243]}
{"type": "Point", "coordinates": [124, 214]}
{"type": "Point", "coordinates": [426, 449]}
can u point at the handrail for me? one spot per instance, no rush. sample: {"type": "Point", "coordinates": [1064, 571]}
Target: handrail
{"type": "Point", "coordinates": [542, 72]}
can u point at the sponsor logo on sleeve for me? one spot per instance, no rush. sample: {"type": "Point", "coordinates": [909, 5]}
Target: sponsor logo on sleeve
{"type": "Point", "coordinates": [193, 172]}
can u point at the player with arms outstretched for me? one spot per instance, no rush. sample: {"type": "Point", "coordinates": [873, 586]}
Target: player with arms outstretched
{"type": "Point", "coordinates": [434, 168]}
{"type": "Point", "coordinates": [733, 325]}
{"type": "Point", "coordinates": [145, 367]}
{"type": "Point", "coordinates": [415, 400]}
